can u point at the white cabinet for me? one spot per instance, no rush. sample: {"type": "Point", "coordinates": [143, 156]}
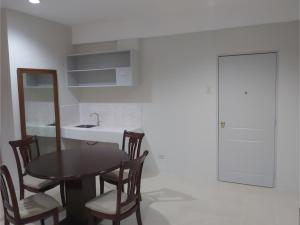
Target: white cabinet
{"type": "Point", "coordinates": [105, 69]}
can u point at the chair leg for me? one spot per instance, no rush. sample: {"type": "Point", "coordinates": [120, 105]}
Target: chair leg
{"type": "Point", "coordinates": [138, 215]}
{"type": "Point", "coordinates": [42, 222]}
{"type": "Point", "coordinates": [62, 193]}
{"type": "Point", "coordinates": [101, 185]}
{"type": "Point", "coordinates": [22, 193]}
{"type": "Point", "coordinates": [55, 219]}
{"type": "Point", "coordinates": [122, 187]}
{"type": "Point", "coordinates": [117, 222]}
{"type": "Point", "coordinates": [91, 220]}
{"type": "Point", "coordinates": [6, 222]}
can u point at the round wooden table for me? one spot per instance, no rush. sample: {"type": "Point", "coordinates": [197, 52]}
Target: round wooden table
{"type": "Point", "coordinates": [77, 168]}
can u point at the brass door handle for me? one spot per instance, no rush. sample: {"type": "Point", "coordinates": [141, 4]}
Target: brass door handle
{"type": "Point", "coordinates": [222, 123]}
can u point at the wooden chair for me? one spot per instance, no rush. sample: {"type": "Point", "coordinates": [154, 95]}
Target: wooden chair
{"type": "Point", "coordinates": [133, 142]}
{"type": "Point", "coordinates": [23, 150]}
{"type": "Point", "coordinates": [116, 205]}
{"type": "Point", "coordinates": [36, 207]}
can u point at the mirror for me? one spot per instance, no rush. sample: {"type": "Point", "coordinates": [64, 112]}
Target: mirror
{"type": "Point", "coordinates": [39, 109]}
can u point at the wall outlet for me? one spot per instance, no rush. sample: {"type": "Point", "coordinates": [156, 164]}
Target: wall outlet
{"type": "Point", "coordinates": [162, 157]}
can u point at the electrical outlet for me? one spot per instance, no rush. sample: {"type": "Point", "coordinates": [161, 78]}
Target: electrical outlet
{"type": "Point", "coordinates": [162, 157]}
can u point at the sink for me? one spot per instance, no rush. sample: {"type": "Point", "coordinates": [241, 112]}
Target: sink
{"type": "Point", "coordinates": [85, 126]}
{"type": "Point", "coordinates": [100, 134]}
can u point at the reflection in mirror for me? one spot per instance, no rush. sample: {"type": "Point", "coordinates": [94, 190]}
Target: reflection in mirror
{"type": "Point", "coordinates": [34, 148]}
{"type": "Point", "coordinates": [39, 109]}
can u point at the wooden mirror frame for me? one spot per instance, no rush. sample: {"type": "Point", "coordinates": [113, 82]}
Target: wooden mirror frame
{"type": "Point", "coordinates": [53, 73]}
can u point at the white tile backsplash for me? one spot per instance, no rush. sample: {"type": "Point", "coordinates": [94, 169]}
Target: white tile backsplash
{"type": "Point", "coordinates": [112, 114]}
{"type": "Point", "coordinates": [69, 114]}
{"type": "Point", "coordinates": [39, 112]}
{"type": "Point", "coordinates": [42, 113]}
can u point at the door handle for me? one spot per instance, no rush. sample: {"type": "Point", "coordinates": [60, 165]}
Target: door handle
{"type": "Point", "coordinates": [222, 123]}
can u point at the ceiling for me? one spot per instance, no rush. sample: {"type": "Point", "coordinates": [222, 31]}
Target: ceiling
{"type": "Point", "coordinates": [102, 20]}
{"type": "Point", "coordinates": [76, 12]}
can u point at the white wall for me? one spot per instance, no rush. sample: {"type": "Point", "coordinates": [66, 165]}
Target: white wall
{"type": "Point", "coordinates": [299, 109]}
{"type": "Point", "coordinates": [32, 43]}
{"type": "Point", "coordinates": [178, 89]}
{"type": "Point", "coordinates": [156, 18]}
{"type": "Point", "coordinates": [6, 103]}
{"type": "Point", "coordinates": [0, 76]}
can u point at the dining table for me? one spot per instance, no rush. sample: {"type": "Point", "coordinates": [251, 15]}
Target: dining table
{"type": "Point", "coordinates": [77, 169]}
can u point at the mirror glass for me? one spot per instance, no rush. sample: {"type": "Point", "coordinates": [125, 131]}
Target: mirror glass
{"type": "Point", "coordinates": [39, 103]}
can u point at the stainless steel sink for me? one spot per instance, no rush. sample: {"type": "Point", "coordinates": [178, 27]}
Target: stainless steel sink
{"type": "Point", "coordinates": [85, 126]}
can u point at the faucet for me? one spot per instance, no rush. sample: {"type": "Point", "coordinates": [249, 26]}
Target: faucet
{"type": "Point", "coordinates": [98, 118]}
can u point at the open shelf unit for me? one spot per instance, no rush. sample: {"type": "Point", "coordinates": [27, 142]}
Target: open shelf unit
{"type": "Point", "coordinates": [105, 69]}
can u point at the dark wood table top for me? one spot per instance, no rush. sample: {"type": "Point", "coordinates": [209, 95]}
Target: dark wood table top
{"type": "Point", "coordinates": [76, 163]}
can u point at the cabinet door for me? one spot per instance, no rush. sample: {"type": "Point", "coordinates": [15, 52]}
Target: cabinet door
{"type": "Point", "coordinates": [124, 76]}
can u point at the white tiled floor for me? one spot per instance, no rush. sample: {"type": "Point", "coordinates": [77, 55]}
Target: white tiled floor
{"type": "Point", "coordinates": [169, 200]}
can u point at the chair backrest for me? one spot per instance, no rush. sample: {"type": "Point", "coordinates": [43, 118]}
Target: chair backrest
{"type": "Point", "coordinates": [23, 151]}
{"type": "Point", "coordinates": [133, 142]}
{"type": "Point", "coordinates": [8, 194]}
{"type": "Point", "coordinates": [134, 169]}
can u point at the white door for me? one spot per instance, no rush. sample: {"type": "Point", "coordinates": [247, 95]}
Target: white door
{"type": "Point", "coordinates": [247, 115]}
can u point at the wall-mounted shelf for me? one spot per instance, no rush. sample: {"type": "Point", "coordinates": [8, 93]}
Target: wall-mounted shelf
{"type": "Point", "coordinates": [39, 87]}
{"type": "Point", "coordinates": [105, 69]}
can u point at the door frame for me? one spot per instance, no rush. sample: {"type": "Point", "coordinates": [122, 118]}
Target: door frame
{"type": "Point", "coordinates": [276, 107]}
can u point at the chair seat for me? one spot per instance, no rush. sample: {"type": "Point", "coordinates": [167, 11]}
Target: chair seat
{"type": "Point", "coordinates": [36, 205]}
{"type": "Point", "coordinates": [107, 203]}
{"type": "Point", "coordinates": [37, 183]}
{"type": "Point", "coordinates": [114, 175]}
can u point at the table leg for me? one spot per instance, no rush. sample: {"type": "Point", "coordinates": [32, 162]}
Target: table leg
{"type": "Point", "coordinates": [78, 192]}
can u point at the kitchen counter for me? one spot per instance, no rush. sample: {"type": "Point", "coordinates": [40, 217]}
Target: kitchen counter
{"type": "Point", "coordinates": [40, 130]}
{"type": "Point", "coordinates": [98, 134]}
